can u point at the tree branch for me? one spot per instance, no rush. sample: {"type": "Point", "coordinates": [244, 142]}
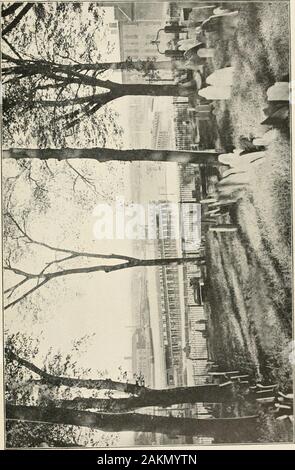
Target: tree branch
{"type": "Point", "coordinates": [127, 262]}
{"type": "Point", "coordinates": [93, 384]}
{"type": "Point", "coordinates": [19, 299]}
{"type": "Point", "coordinates": [66, 250]}
{"type": "Point", "coordinates": [222, 429]}
{"type": "Point", "coordinates": [17, 19]}
{"type": "Point", "coordinates": [12, 48]}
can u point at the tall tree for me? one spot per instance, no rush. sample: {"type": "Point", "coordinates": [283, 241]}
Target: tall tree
{"type": "Point", "coordinates": [48, 35]}
{"type": "Point", "coordinates": [20, 68]}
{"type": "Point", "coordinates": [20, 387]}
{"type": "Point", "coordinates": [63, 75]}
{"type": "Point", "coordinates": [61, 397]}
{"type": "Point", "coordinates": [39, 279]}
{"type": "Point", "coordinates": [230, 429]}
{"type": "Point", "coordinates": [141, 396]}
{"type": "Point", "coordinates": [102, 154]}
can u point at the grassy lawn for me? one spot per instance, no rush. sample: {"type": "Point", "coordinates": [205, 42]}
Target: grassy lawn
{"type": "Point", "coordinates": [249, 272]}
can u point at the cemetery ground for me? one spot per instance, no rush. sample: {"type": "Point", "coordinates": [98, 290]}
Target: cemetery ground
{"type": "Point", "coordinates": [249, 272]}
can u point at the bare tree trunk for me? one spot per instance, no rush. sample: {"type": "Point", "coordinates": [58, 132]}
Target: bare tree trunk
{"type": "Point", "coordinates": [106, 154]}
{"type": "Point", "coordinates": [143, 396]}
{"type": "Point", "coordinates": [109, 268]}
{"type": "Point", "coordinates": [63, 74]}
{"type": "Point", "coordinates": [222, 429]}
{"type": "Point", "coordinates": [138, 89]}
{"type": "Point", "coordinates": [117, 90]}
{"type": "Point", "coordinates": [43, 277]}
{"type": "Point", "coordinates": [26, 68]}
{"type": "Point", "coordinates": [210, 393]}
{"type": "Point", "coordinates": [72, 74]}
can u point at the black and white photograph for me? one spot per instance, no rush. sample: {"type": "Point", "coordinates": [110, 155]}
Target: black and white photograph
{"type": "Point", "coordinates": [147, 224]}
